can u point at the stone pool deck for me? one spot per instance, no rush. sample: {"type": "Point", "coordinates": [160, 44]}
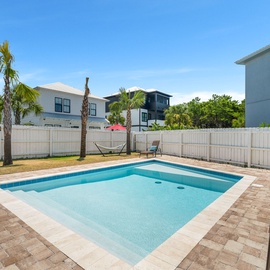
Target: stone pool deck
{"type": "Point", "coordinates": [238, 240]}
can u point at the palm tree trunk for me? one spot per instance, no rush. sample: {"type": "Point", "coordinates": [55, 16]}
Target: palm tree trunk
{"type": "Point", "coordinates": [84, 117]}
{"type": "Point", "coordinates": [128, 131]}
{"type": "Point", "coordinates": [7, 124]}
{"type": "Point", "coordinates": [17, 117]}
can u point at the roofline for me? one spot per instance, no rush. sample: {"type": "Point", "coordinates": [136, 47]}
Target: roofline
{"type": "Point", "coordinates": [143, 90]}
{"type": "Point", "coordinates": [74, 93]}
{"type": "Point", "coordinates": [157, 91]}
{"type": "Point", "coordinates": [253, 55]}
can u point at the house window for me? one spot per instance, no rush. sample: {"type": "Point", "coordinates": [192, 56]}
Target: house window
{"type": "Point", "coordinates": [92, 110]}
{"type": "Point", "coordinates": [144, 117]}
{"type": "Point", "coordinates": [162, 100]}
{"type": "Point", "coordinates": [66, 105]}
{"type": "Point", "coordinates": [93, 127]}
{"type": "Point", "coordinates": [58, 104]}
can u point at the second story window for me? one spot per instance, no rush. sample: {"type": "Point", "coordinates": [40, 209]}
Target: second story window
{"type": "Point", "coordinates": [66, 105]}
{"type": "Point", "coordinates": [162, 100]}
{"type": "Point", "coordinates": [144, 117]}
{"type": "Point", "coordinates": [58, 104]}
{"type": "Point", "coordinates": [92, 110]}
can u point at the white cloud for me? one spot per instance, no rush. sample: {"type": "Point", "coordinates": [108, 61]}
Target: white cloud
{"type": "Point", "coordinates": [178, 98]}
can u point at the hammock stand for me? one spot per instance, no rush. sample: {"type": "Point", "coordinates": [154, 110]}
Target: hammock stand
{"type": "Point", "coordinates": [118, 148]}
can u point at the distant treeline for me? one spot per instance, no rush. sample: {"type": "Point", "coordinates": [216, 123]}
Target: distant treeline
{"type": "Point", "coordinates": [218, 112]}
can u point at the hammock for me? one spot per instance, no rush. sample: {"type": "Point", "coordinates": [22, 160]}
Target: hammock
{"type": "Point", "coordinates": [118, 148]}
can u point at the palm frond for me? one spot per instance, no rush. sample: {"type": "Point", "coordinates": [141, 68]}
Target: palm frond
{"type": "Point", "coordinates": [27, 92]}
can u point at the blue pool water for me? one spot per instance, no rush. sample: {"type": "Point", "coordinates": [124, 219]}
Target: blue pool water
{"type": "Point", "coordinates": [128, 210]}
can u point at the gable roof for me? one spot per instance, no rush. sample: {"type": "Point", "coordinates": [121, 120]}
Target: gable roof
{"type": "Point", "coordinates": [253, 55]}
{"type": "Point", "coordinates": [58, 86]}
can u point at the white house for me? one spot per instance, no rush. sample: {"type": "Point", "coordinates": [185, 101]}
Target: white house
{"type": "Point", "coordinates": [257, 69]}
{"type": "Point", "coordinates": [62, 106]}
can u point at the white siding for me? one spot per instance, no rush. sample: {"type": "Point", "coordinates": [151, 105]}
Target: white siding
{"type": "Point", "coordinates": [71, 119]}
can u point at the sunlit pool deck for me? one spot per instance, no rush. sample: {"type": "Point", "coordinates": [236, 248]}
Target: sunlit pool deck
{"type": "Point", "coordinates": [231, 233]}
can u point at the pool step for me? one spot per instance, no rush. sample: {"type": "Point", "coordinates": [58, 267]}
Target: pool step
{"type": "Point", "coordinates": [74, 180]}
{"type": "Point", "coordinates": [185, 178]}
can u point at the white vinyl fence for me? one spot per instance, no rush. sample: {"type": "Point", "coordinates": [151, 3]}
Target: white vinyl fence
{"type": "Point", "coordinates": [246, 147]}
{"type": "Point", "coordinates": [30, 142]}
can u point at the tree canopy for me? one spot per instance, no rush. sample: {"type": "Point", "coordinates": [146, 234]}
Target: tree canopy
{"type": "Point", "coordinates": [220, 111]}
{"type": "Point", "coordinates": [23, 102]}
{"type": "Point", "coordinates": [115, 117]}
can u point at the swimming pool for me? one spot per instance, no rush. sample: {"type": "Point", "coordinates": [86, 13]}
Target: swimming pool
{"type": "Point", "coordinates": [130, 209]}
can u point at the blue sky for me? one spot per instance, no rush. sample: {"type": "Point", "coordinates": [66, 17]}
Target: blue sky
{"type": "Point", "coordinates": [185, 48]}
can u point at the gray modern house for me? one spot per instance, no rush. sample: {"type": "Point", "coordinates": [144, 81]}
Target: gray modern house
{"type": "Point", "coordinates": [152, 111]}
{"type": "Point", "coordinates": [257, 89]}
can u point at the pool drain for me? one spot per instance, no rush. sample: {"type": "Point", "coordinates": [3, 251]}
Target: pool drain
{"type": "Point", "coordinates": [180, 187]}
{"type": "Point", "coordinates": [157, 182]}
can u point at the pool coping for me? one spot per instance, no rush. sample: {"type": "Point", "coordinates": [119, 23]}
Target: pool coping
{"type": "Point", "coordinates": [88, 255]}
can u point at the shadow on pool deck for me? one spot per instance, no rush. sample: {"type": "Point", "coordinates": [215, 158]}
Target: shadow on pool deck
{"type": "Point", "coordinates": [239, 240]}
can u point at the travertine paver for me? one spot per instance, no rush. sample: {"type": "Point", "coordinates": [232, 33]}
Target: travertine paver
{"type": "Point", "coordinates": [239, 240]}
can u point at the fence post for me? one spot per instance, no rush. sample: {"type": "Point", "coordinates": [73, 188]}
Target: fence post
{"type": "Point", "coordinates": [111, 139]}
{"type": "Point", "coordinates": [27, 131]}
{"type": "Point", "coordinates": [208, 146]}
{"type": "Point", "coordinates": [249, 148]}
{"type": "Point", "coordinates": [51, 142]}
{"type": "Point", "coordinates": [161, 140]}
{"type": "Point", "coordinates": [180, 143]}
{"type": "Point", "coordinates": [133, 143]}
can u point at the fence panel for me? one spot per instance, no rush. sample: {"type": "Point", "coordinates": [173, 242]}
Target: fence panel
{"type": "Point", "coordinates": [171, 143]}
{"type": "Point", "coordinates": [195, 144]}
{"type": "Point", "coordinates": [249, 147]}
{"type": "Point", "coordinates": [65, 141]}
{"type": "Point", "coordinates": [105, 138]}
{"type": "Point", "coordinates": [260, 142]}
{"type": "Point", "coordinates": [229, 145]}
{"type": "Point", "coordinates": [28, 142]}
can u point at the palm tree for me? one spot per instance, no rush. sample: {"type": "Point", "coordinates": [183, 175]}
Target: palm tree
{"type": "Point", "coordinates": [10, 75]}
{"type": "Point", "coordinates": [115, 116]}
{"type": "Point", "coordinates": [24, 101]}
{"type": "Point", "coordinates": [128, 103]}
{"type": "Point", "coordinates": [84, 118]}
{"type": "Point", "coordinates": [176, 117]}
{"type": "Point", "coordinates": [155, 127]}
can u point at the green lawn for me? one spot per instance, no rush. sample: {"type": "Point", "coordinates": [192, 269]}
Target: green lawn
{"type": "Point", "coordinates": [25, 165]}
